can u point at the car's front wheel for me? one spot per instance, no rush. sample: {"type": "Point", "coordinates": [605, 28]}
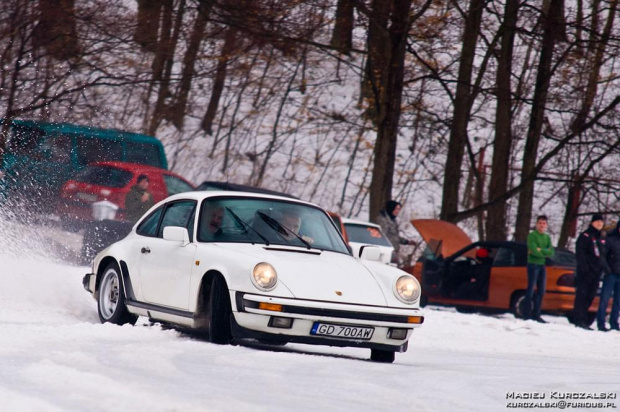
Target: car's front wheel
{"type": "Point", "coordinates": [111, 300]}
{"type": "Point", "coordinates": [382, 356]}
{"type": "Point", "coordinates": [219, 312]}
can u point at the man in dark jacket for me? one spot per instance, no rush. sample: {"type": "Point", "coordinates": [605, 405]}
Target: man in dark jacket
{"type": "Point", "coordinates": [590, 265]}
{"type": "Point", "coordinates": [138, 199]}
{"type": "Point", "coordinates": [611, 282]}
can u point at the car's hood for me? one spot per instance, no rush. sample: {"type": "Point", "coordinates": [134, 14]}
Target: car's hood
{"type": "Point", "coordinates": [328, 276]}
{"type": "Point", "coordinates": [444, 238]}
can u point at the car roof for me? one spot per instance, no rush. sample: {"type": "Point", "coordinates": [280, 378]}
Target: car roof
{"type": "Point", "coordinates": [129, 166]}
{"type": "Point", "coordinates": [235, 187]}
{"type": "Point", "coordinates": [360, 222]}
{"type": "Point", "coordinates": [205, 194]}
{"type": "Point", "coordinates": [140, 168]}
{"type": "Point", "coordinates": [81, 130]}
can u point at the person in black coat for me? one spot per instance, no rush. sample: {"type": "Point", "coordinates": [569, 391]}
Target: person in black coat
{"type": "Point", "coordinates": [591, 265]}
{"type": "Point", "coordinates": [611, 282]}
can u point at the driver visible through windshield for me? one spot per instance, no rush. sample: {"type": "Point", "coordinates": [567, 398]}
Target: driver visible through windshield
{"type": "Point", "coordinates": [268, 221]}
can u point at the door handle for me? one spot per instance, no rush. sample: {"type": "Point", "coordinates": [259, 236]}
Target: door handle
{"type": "Point", "coordinates": [145, 249]}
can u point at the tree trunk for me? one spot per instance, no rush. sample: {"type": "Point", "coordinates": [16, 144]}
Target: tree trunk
{"type": "Point", "coordinates": [57, 30]}
{"type": "Point", "coordinates": [164, 54]}
{"type": "Point", "coordinates": [342, 35]}
{"type": "Point", "coordinates": [220, 78]}
{"type": "Point", "coordinates": [386, 62]}
{"type": "Point", "coordinates": [496, 214]}
{"type": "Point", "coordinates": [458, 131]}
{"type": "Point", "coordinates": [543, 77]}
{"type": "Point", "coordinates": [147, 27]}
{"type": "Point", "coordinates": [599, 46]}
{"type": "Point", "coordinates": [177, 110]}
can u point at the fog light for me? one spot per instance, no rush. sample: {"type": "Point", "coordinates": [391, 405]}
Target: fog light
{"type": "Point", "coordinates": [282, 323]}
{"type": "Point", "coordinates": [397, 333]}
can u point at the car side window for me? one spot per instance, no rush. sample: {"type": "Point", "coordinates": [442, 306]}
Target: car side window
{"type": "Point", "coordinates": [148, 227]}
{"type": "Point", "coordinates": [177, 214]}
{"type": "Point", "coordinates": [505, 257]}
{"type": "Point", "coordinates": [175, 185]}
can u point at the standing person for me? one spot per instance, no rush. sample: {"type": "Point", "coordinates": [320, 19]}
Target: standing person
{"type": "Point", "coordinates": [138, 199]}
{"type": "Point", "coordinates": [538, 249]}
{"type": "Point", "coordinates": [590, 266]}
{"type": "Point", "coordinates": [611, 282]}
{"type": "Point", "coordinates": [389, 224]}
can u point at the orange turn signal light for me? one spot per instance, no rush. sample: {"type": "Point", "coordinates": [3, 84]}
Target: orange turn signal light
{"type": "Point", "coordinates": [270, 306]}
{"type": "Point", "coordinates": [415, 319]}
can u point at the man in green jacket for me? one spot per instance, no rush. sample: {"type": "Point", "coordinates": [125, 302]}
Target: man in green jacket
{"type": "Point", "coordinates": [538, 249]}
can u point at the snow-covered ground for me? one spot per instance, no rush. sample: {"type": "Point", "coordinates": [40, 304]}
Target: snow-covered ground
{"type": "Point", "coordinates": [56, 356]}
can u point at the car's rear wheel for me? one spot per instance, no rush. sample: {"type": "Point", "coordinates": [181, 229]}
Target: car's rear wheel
{"type": "Point", "coordinates": [516, 304]}
{"type": "Point", "coordinates": [219, 312]}
{"type": "Point", "coordinates": [382, 356]}
{"type": "Point", "coordinates": [111, 300]}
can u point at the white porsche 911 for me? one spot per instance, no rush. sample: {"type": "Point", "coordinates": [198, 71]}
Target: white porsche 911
{"type": "Point", "coordinates": [251, 266]}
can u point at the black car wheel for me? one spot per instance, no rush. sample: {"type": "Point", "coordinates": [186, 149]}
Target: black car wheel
{"type": "Point", "coordinates": [220, 312]}
{"type": "Point", "coordinates": [516, 304]}
{"type": "Point", "coordinates": [382, 356]}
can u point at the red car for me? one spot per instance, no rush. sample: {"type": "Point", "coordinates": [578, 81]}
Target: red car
{"type": "Point", "coordinates": [112, 181]}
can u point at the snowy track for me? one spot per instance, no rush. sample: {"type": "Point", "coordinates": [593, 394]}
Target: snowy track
{"type": "Point", "coordinates": [56, 356]}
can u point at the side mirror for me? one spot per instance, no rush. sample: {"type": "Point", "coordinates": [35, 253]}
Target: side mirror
{"type": "Point", "coordinates": [176, 234]}
{"type": "Point", "coordinates": [368, 252]}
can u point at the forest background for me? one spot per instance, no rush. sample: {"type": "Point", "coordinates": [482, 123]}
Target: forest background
{"type": "Point", "coordinates": [483, 113]}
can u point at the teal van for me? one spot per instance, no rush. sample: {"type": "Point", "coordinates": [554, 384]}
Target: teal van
{"type": "Point", "coordinates": [41, 156]}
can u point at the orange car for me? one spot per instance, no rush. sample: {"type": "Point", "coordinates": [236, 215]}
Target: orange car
{"type": "Point", "coordinates": [455, 271]}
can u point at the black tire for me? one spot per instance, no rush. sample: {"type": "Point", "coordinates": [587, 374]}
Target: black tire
{"type": "Point", "coordinates": [382, 356]}
{"type": "Point", "coordinates": [111, 298]}
{"type": "Point", "coordinates": [220, 313]}
{"type": "Point", "coordinates": [466, 309]}
{"type": "Point", "coordinates": [516, 304]}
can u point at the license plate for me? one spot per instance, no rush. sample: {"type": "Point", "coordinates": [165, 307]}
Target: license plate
{"type": "Point", "coordinates": [342, 331]}
{"type": "Point", "coordinates": [88, 197]}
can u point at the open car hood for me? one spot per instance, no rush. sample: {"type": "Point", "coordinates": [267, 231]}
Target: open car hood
{"type": "Point", "coordinates": [444, 238]}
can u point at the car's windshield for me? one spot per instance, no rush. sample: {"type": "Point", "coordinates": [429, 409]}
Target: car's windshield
{"type": "Point", "coordinates": [104, 176]}
{"type": "Point", "coordinates": [367, 234]}
{"type": "Point", "coordinates": [268, 221]}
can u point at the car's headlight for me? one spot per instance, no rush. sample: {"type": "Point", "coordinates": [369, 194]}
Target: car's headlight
{"type": "Point", "coordinates": [264, 276]}
{"type": "Point", "coordinates": [407, 289]}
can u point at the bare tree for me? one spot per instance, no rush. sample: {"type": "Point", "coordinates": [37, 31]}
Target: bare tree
{"type": "Point", "coordinates": [460, 119]}
{"type": "Point", "coordinates": [552, 32]}
{"type": "Point", "coordinates": [496, 214]}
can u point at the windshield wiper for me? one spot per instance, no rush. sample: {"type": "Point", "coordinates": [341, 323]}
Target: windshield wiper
{"type": "Point", "coordinates": [245, 225]}
{"type": "Point", "coordinates": [280, 228]}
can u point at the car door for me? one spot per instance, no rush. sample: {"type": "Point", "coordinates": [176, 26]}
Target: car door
{"type": "Point", "coordinates": [433, 269]}
{"type": "Point", "coordinates": [166, 266]}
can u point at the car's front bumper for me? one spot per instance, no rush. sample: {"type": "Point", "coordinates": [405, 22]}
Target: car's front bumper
{"type": "Point", "coordinates": [256, 323]}
{"type": "Point", "coordinates": [88, 281]}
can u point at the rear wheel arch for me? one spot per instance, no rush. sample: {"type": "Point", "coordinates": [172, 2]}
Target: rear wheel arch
{"type": "Point", "coordinates": [101, 269]}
